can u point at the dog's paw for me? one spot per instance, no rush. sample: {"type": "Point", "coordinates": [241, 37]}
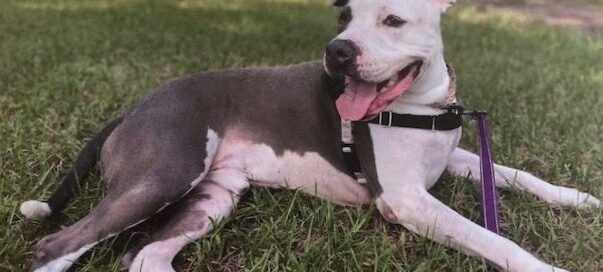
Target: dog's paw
{"type": "Point", "coordinates": [587, 201]}
{"type": "Point", "coordinates": [564, 196]}
{"type": "Point", "coordinates": [148, 260]}
{"type": "Point", "coordinates": [547, 268]}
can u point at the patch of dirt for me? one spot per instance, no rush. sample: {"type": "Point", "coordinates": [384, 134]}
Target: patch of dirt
{"type": "Point", "coordinates": [567, 13]}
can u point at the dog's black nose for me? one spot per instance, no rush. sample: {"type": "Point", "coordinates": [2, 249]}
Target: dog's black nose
{"type": "Point", "coordinates": [341, 53]}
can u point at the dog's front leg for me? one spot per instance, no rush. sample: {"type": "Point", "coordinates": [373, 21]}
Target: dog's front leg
{"type": "Point", "coordinates": [408, 162]}
{"type": "Point", "coordinates": [420, 212]}
{"type": "Point", "coordinates": [467, 164]}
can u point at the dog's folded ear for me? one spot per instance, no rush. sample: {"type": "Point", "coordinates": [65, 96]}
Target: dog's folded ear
{"type": "Point", "coordinates": [340, 3]}
{"type": "Point", "coordinates": [444, 4]}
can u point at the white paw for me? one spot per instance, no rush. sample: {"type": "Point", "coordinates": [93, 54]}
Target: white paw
{"type": "Point", "coordinates": [145, 263]}
{"type": "Point", "coordinates": [572, 197]}
{"type": "Point", "coordinates": [542, 267]}
{"type": "Point", "coordinates": [34, 209]}
{"type": "Point", "coordinates": [551, 269]}
{"type": "Point", "coordinates": [63, 263]}
{"type": "Point", "coordinates": [587, 201]}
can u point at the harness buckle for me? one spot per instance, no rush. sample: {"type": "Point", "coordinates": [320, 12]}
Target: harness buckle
{"type": "Point", "coordinates": [389, 119]}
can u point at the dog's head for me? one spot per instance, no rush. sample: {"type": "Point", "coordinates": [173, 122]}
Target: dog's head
{"type": "Point", "coordinates": [381, 48]}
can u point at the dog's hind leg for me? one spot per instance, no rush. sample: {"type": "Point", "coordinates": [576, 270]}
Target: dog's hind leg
{"type": "Point", "coordinates": [130, 200]}
{"type": "Point", "coordinates": [115, 213]}
{"type": "Point", "coordinates": [194, 216]}
{"type": "Point", "coordinates": [465, 163]}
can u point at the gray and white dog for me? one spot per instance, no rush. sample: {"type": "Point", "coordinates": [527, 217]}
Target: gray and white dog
{"type": "Point", "coordinates": [202, 140]}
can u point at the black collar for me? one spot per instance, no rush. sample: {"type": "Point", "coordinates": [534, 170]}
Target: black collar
{"type": "Point", "coordinates": [451, 119]}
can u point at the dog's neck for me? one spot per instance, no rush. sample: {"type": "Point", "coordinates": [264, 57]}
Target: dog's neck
{"type": "Point", "coordinates": [431, 88]}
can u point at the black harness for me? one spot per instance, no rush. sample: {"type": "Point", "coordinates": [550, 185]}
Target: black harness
{"type": "Point", "coordinates": [451, 119]}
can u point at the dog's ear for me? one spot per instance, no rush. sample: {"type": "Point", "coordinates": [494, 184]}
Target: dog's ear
{"type": "Point", "coordinates": [443, 4]}
{"type": "Point", "coordinates": [340, 3]}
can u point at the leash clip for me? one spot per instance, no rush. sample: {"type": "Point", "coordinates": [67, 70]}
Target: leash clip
{"type": "Point", "coordinates": [389, 122]}
{"type": "Point", "coordinates": [456, 109]}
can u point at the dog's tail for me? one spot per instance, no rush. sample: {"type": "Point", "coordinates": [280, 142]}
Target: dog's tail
{"type": "Point", "coordinates": [74, 179]}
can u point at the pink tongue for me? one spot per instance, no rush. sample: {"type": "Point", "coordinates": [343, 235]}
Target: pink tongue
{"type": "Point", "coordinates": [361, 98]}
{"type": "Point", "coordinates": [356, 100]}
{"type": "Point", "coordinates": [388, 95]}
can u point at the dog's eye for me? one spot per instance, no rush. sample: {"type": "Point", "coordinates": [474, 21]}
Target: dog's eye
{"type": "Point", "coordinates": [393, 21]}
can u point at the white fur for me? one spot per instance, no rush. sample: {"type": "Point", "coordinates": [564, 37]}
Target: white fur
{"type": "Point", "coordinates": [386, 50]}
{"type": "Point", "coordinates": [34, 209]}
{"type": "Point", "coordinates": [63, 263]}
{"type": "Point", "coordinates": [211, 147]}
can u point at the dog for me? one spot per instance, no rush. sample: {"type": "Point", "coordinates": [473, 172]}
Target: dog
{"type": "Point", "coordinates": [201, 141]}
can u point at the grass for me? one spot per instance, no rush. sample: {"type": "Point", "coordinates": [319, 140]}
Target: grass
{"type": "Point", "coordinates": [598, 3]}
{"type": "Point", "coordinates": [68, 66]}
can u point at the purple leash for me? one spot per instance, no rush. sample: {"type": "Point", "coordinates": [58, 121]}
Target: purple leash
{"type": "Point", "coordinates": [488, 198]}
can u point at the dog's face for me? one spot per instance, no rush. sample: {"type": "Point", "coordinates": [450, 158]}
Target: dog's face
{"type": "Point", "coordinates": [381, 48]}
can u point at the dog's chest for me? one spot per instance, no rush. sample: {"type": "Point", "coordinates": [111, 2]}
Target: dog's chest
{"type": "Point", "coordinates": [401, 152]}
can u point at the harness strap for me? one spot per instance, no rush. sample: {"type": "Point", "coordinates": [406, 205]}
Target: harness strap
{"type": "Point", "coordinates": [446, 121]}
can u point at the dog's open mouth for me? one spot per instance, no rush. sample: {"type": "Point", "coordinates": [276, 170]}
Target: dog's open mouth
{"type": "Point", "coordinates": [362, 98]}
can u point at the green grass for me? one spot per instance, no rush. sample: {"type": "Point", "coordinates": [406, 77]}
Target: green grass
{"type": "Point", "coordinates": [66, 67]}
{"type": "Point", "coordinates": [596, 3]}
{"type": "Point", "coordinates": [592, 2]}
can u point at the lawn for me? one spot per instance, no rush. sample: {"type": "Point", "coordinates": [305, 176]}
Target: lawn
{"type": "Point", "coordinates": [66, 67]}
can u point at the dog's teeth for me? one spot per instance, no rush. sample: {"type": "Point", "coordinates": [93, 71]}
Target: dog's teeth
{"type": "Point", "coordinates": [392, 81]}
